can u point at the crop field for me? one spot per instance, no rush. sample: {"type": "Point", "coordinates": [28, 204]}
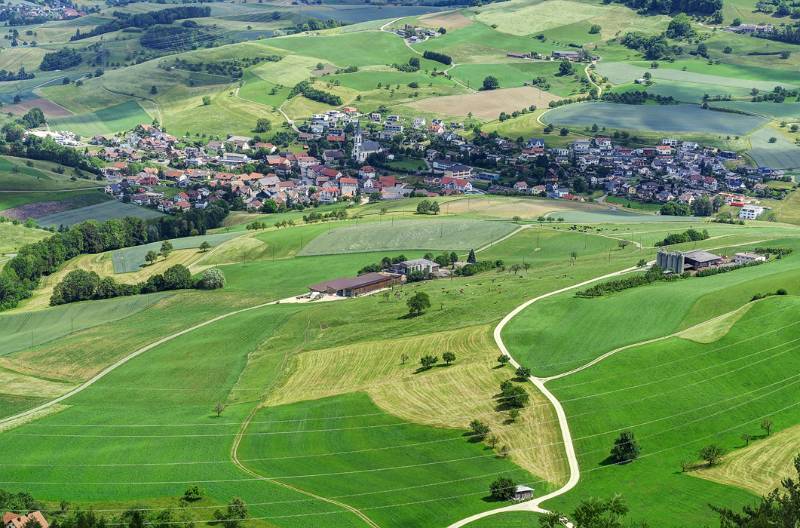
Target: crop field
{"type": "Point", "coordinates": [667, 118]}
{"type": "Point", "coordinates": [117, 118]}
{"type": "Point", "coordinates": [780, 153]}
{"type": "Point", "coordinates": [774, 110]}
{"type": "Point", "coordinates": [678, 396]}
{"type": "Point", "coordinates": [49, 108]}
{"type": "Point", "coordinates": [27, 329]}
{"type": "Point", "coordinates": [102, 211]}
{"type": "Point", "coordinates": [131, 259]}
{"type": "Point", "coordinates": [417, 234]}
{"type": "Point", "coordinates": [689, 92]}
{"type": "Point", "coordinates": [622, 72]}
{"type": "Point", "coordinates": [511, 74]}
{"type": "Point", "coordinates": [485, 105]}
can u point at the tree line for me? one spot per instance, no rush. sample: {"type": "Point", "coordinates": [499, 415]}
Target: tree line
{"type": "Point", "coordinates": [21, 274]}
{"type": "Point", "coordinates": [637, 97]}
{"type": "Point", "coordinates": [690, 235]}
{"type": "Point", "coordinates": [305, 89]}
{"type": "Point", "coordinates": [145, 20]}
{"type": "Point", "coordinates": [82, 285]}
{"type": "Point", "coordinates": [44, 149]}
{"type": "Point", "coordinates": [62, 59]}
{"type": "Point", "coordinates": [438, 57]}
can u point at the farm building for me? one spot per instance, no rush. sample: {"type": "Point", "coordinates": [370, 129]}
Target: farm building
{"type": "Point", "coordinates": [747, 258]}
{"type": "Point", "coordinates": [353, 287]}
{"type": "Point", "coordinates": [678, 262]}
{"type": "Point", "coordinates": [420, 265]}
{"type": "Point", "coordinates": [522, 493]}
{"type": "Point", "coordinates": [15, 520]}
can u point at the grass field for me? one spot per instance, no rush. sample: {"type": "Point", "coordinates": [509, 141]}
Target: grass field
{"type": "Point", "coordinates": [678, 396]}
{"type": "Point", "coordinates": [515, 74]}
{"type": "Point", "coordinates": [117, 118]}
{"type": "Point", "coordinates": [17, 174]}
{"type": "Point", "coordinates": [669, 118]}
{"type": "Point", "coordinates": [485, 105]}
{"type": "Point", "coordinates": [780, 154]}
{"type": "Point", "coordinates": [103, 211]}
{"type": "Point", "coordinates": [12, 237]}
{"type": "Point", "coordinates": [428, 234]}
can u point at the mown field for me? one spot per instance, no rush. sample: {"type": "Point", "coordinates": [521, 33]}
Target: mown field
{"type": "Point", "coordinates": [133, 258]}
{"type": "Point", "coordinates": [102, 211]}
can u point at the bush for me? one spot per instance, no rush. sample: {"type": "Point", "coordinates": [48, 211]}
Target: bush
{"type": "Point", "coordinates": [211, 279]}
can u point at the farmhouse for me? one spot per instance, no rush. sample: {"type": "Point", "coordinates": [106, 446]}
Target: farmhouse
{"type": "Point", "coordinates": [363, 284]}
{"type": "Point", "coordinates": [678, 262]}
{"type": "Point", "coordinates": [14, 520]}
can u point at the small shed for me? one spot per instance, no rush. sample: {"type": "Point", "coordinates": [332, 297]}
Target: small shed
{"type": "Point", "coordinates": [522, 493]}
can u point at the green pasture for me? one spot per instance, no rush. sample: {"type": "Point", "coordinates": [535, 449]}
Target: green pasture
{"type": "Point", "coordinates": [17, 174]}
{"type": "Point", "coordinates": [389, 235]}
{"type": "Point", "coordinates": [117, 118]}
{"type": "Point", "coordinates": [102, 211]}
{"type": "Point", "coordinates": [131, 259]}
{"type": "Point", "coordinates": [13, 237]}
{"type": "Point", "coordinates": [666, 118]}
{"type": "Point", "coordinates": [634, 315]}
{"type": "Point", "coordinates": [678, 396]}
{"type": "Point", "coordinates": [689, 92]}
{"type": "Point", "coordinates": [788, 111]}
{"type": "Point", "coordinates": [357, 49]}
{"type": "Point", "coordinates": [365, 80]}
{"type": "Point", "coordinates": [512, 74]}
{"type": "Point", "coordinates": [259, 91]}
{"type": "Point", "coordinates": [22, 330]}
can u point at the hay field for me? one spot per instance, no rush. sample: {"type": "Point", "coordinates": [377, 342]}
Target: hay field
{"type": "Point", "coordinates": [485, 105]}
{"type": "Point", "coordinates": [450, 21]}
{"type": "Point", "coordinates": [102, 211]}
{"type": "Point", "coordinates": [407, 235]}
{"type": "Point", "coordinates": [760, 466]}
{"type": "Point", "coordinates": [131, 259]}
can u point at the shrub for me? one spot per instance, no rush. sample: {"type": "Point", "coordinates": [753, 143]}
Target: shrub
{"type": "Point", "coordinates": [211, 279]}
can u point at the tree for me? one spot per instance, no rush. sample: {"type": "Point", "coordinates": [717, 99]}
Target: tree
{"type": "Point", "coordinates": [234, 514]}
{"type": "Point", "coordinates": [448, 357]}
{"type": "Point", "coordinates": [711, 454]}
{"type": "Point", "coordinates": [177, 277]}
{"type": "Point", "coordinates": [513, 414]}
{"type": "Point", "coordinates": [523, 373]}
{"type": "Point", "coordinates": [503, 360]}
{"type": "Point", "coordinates": [513, 396]}
{"type": "Point", "coordinates": [192, 494]}
{"type": "Point", "coordinates": [766, 425]}
{"type": "Point", "coordinates": [428, 361]}
{"type": "Point", "coordinates": [502, 489]}
{"type": "Point", "coordinates": [206, 100]}
{"type": "Point", "coordinates": [153, 90]}
{"type": "Point", "coordinates": [746, 437]}
{"type": "Point", "coordinates": [218, 408]}
{"type": "Point", "coordinates": [471, 258]}
{"type": "Point", "coordinates": [78, 285]}
{"type": "Point", "coordinates": [478, 430]}
{"type": "Point", "coordinates": [151, 257]}
{"type": "Point", "coordinates": [591, 513]}
{"type": "Point", "coordinates": [403, 357]}
{"type": "Point", "coordinates": [263, 125]}
{"type": "Point", "coordinates": [166, 248]}
{"type": "Point", "coordinates": [504, 451]}
{"type": "Point", "coordinates": [211, 279]}
{"type": "Point", "coordinates": [594, 29]}
{"type": "Point", "coordinates": [490, 82]}
{"type": "Point", "coordinates": [205, 246]}
{"type": "Point", "coordinates": [418, 303]}
{"type": "Point", "coordinates": [565, 68]}
{"type": "Point", "coordinates": [625, 449]}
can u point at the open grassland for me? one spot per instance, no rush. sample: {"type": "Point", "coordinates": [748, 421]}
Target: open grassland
{"type": "Point", "coordinates": [615, 324]}
{"type": "Point", "coordinates": [13, 237]}
{"type": "Point", "coordinates": [395, 459]}
{"type": "Point", "coordinates": [103, 211]}
{"type": "Point", "coordinates": [678, 396]}
{"type": "Point", "coordinates": [17, 174]}
{"type": "Point", "coordinates": [428, 234]}
{"type": "Point", "coordinates": [485, 105]}
{"type": "Point", "coordinates": [760, 466]}
{"type": "Point", "coordinates": [117, 118]}
{"type": "Point", "coordinates": [668, 118]}
{"type": "Point", "coordinates": [689, 92]}
{"type": "Point", "coordinates": [515, 74]}
{"type": "Point", "coordinates": [357, 49]}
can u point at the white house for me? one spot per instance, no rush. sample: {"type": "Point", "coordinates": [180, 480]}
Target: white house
{"type": "Point", "coordinates": [750, 212]}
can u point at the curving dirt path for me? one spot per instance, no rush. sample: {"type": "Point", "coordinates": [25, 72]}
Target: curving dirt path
{"type": "Point", "coordinates": [534, 505]}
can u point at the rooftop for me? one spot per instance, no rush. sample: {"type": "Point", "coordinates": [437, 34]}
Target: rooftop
{"type": "Point", "coordinates": [701, 256]}
{"type": "Point", "coordinates": [366, 279]}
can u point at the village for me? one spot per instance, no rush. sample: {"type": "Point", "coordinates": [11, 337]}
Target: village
{"type": "Point", "coordinates": [347, 156]}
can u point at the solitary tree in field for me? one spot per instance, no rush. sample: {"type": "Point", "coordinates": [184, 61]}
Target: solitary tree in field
{"type": "Point", "coordinates": [711, 454]}
{"type": "Point", "coordinates": [418, 303]}
{"type": "Point", "coordinates": [151, 257]}
{"type": "Point", "coordinates": [263, 125]}
{"type": "Point", "coordinates": [523, 373]}
{"type": "Point", "coordinates": [503, 360]}
{"type": "Point", "coordinates": [428, 361]}
{"type": "Point", "coordinates": [746, 437]}
{"type": "Point", "coordinates": [502, 489]}
{"type": "Point", "coordinates": [403, 358]}
{"type": "Point", "coordinates": [478, 430]}
{"type": "Point", "coordinates": [492, 441]}
{"type": "Point", "coordinates": [234, 514]}
{"type": "Point", "coordinates": [625, 449]}
{"type": "Point", "coordinates": [504, 451]}
{"type": "Point", "coordinates": [471, 258]}
{"type": "Point", "coordinates": [205, 246]}
{"type": "Point", "coordinates": [448, 357]}
{"type": "Point", "coordinates": [623, 244]}
{"type": "Point", "coordinates": [766, 425]}
{"type": "Point", "coordinates": [490, 82]}
{"type": "Point", "coordinates": [218, 408]}
{"type": "Point", "coordinates": [166, 248]}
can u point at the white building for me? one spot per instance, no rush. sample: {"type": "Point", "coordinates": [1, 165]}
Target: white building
{"type": "Point", "coordinates": [750, 212]}
{"type": "Point", "coordinates": [747, 257]}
